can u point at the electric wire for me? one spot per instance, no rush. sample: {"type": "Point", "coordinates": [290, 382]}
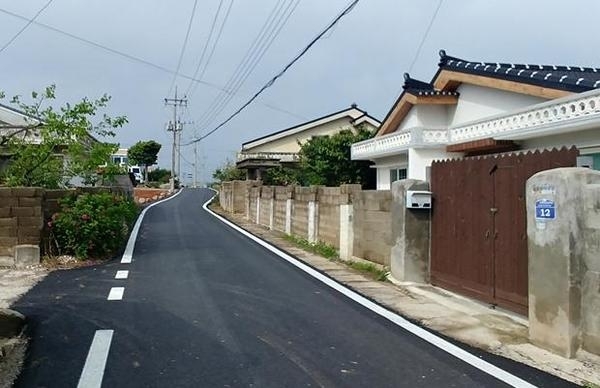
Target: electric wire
{"type": "Point", "coordinates": [210, 33]}
{"type": "Point", "coordinates": [270, 83]}
{"type": "Point", "coordinates": [185, 42]}
{"type": "Point", "coordinates": [128, 56]}
{"type": "Point", "coordinates": [270, 34]}
{"type": "Point", "coordinates": [111, 50]}
{"type": "Point", "coordinates": [215, 44]}
{"type": "Point", "coordinates": [236, 72]}
{"type": "Point", "coordinates": [29, 22]}
{"type": "Point", "coordinates": [425, 35]}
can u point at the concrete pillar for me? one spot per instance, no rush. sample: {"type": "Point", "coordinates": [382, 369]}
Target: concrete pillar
{"type": "Point", "coordinates": [557, 239]}
{"type": "Point", "coordinates": [313, 215]}
{"type": "Point", "coordinates": [289, 208]}
{"type": "Point", "coordinates": [258, 205]}
{"type": "Point", "coordinates": [409, 256]}
{"type": "Point", "coordinates": [272, 208]}
{"type": "Point", "coordinates": [347, 221]}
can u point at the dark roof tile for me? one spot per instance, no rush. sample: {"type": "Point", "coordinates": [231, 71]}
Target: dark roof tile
{"type": "Point", "coordinates": [570, 78]}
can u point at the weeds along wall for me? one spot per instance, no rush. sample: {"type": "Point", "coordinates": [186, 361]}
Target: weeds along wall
{"type": "Point", "coordinates": [313, 213]}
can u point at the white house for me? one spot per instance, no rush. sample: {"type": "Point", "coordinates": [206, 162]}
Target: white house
{"type": "Point", "coordinates": [282, 147]}
{"type": "Point", "coordinates": [475, 108]}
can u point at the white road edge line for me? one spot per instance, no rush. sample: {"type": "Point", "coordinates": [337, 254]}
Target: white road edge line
{"type": "Point", "coordinates": [93, 370]}
{"type": "Point", "coordinates": [116, 293]}
{"type": "Point", "coordinates": [128, 254]}
{"type": "Point", "coordinates": [433, 339]}
{"type": "Point", "coordinates": [122, 274]}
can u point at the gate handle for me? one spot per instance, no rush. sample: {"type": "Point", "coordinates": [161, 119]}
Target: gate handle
{"type": "Point", "coordinates": [487, 234]}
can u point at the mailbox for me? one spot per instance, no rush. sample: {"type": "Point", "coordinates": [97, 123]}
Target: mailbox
{"type": "Point", "coordinates": [418, 199]}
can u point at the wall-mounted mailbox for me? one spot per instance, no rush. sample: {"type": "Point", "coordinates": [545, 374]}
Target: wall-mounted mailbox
{"type": "Point", "coordinates": [418, 199]}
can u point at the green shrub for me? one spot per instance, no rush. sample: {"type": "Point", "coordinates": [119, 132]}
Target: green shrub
{"type": "Point", "coordinates": [92, 226]}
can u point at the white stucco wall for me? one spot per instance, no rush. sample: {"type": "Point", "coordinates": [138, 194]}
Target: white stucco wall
{"type": "Point", "coordinates": [383, 166]}
{"type": "Point", "coordinates": [420, 160]}
{"type": "Point", "coordinates": [410, 120]}
{"type": "Point", "coordinates": [477, 102]}
{"type": "Point", "coordinates": [586, 141]}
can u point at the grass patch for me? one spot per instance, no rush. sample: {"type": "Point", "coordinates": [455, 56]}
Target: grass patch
{"type": "Point", "coordinates": [368, 268]}
{"type": "Point", "coordinates": [320, 248]}
{"type": "Point", "coordinates": [329, 252]}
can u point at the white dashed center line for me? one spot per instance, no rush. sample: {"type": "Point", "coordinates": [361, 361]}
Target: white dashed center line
{"type": "Point", "coordinates": [116, 293]}
{"type": "Point", "coordinates": [93, 370]}
{"type": "Point", "coordinates": [122, 275]}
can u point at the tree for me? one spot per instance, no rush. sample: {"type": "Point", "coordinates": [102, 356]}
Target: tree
{"type": "Point", "coordinates": [325, 160]}
{"type": "Point", "coordinates": [56, 145]}
{"type": "Point", "coordinates": [161, 175]}
{"type": "Point", "coordinates": [144, 153]}
{"type": "Point", "coordinates": [228, 172]}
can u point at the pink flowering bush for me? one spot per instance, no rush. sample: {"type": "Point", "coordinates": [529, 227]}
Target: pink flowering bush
{"type": "Point", "coordinates": [92, 226]}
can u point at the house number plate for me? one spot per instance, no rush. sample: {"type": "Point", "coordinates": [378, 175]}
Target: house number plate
{"type": "Point", "coordinates": [545, 209]}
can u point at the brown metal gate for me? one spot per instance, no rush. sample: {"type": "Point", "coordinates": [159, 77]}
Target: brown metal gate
{"type": "Point", "coordinates": [479, 231]}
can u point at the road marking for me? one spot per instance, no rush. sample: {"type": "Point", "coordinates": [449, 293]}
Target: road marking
{"type": "Point", "coordinates": [116, 293]}
{"type": "Point", "coordinates": [433, 339]}
{"type": "Point", "coordinates": [122, 275]}
{"type": "Point", "coordinates": [128, 254]}
{"type": "Point", "coordinates": [93, 370]}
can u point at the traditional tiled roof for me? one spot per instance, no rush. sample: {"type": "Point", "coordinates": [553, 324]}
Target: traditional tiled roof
{"type": "Point", "coordinates": [420, 88]}
{"type": "Point", "coordinates": [569, 78]}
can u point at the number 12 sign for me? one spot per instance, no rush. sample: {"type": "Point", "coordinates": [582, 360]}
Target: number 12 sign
{"type": "Point", "coordinates": [545, 209]}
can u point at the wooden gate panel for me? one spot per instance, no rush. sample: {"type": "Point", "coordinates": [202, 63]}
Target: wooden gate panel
{"type": "Point", "coordinates": [479, 231]}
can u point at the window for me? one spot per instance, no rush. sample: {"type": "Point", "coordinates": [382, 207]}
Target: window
{"type": "Point", "coordinates": [397, 174]}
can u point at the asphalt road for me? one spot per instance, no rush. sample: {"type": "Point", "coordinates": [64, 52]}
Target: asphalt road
{"type": "Point", "coordinates": [204, 306]}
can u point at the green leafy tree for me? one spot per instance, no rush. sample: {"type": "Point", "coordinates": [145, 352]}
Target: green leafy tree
{"type": "Point", "coordinates": [55, 145]}
{"type": "Point", "coordinates": [144, 153]}
{"type": "Point", "coordinates": [161, 175]}
{"type": "Point", "coordinates": [228, 172]}
{"type": "Point", "coordinates": [282, 176]}
{"type": "Point", "coordinates": [325, 160]}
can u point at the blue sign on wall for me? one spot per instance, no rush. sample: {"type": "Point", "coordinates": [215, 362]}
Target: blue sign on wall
{"type": "Point", "coordinates": [545, 209]}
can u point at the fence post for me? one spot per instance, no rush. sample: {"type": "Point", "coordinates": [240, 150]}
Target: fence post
{"type": "Point", "coordinates": [258, 205]}
{"type": "Point", "coordinates": [313, 214]}
{"type": "Point", "coordinates": [272, 208]}
{"type": "Point", "coordinates": [347, 221]}
{"type": "Point", "coordinates": [289, 205]}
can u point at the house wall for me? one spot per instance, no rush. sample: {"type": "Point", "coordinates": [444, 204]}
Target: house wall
{"type": "Point", "coordinates": [383, 166]}
{"type": "Point", "coordinates": [477, 102]}
{"type": "Point", "coordinates": [420, 161]}
{"type": "Point", "coordinates": [290, 143]}
{"type": "Point", "coordinates": [588, 142]}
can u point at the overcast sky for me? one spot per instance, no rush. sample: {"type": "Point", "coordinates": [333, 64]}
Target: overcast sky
{"type": "Point", "coordinates": [362, 60]}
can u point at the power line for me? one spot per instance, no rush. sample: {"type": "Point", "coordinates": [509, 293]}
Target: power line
{"type": "Point", "coordinates": [212, 28]}
{"type": "Point", "coordinates": [256, 52]}
{"type": "Point", "coordinates": [185, 42]}
{"type": "Point", "coordinates": [212, 51]}
{"type": "Point", "coordinates": [425, 36]}
{"type": "Point", "coordinates": [125, 55]}
{"type": "Point", "coordinates": [29, 22]}
{"type": "Point", "coordinates": [111, 50]}
{"type": "Point", "coordinates": [236, 72]}
{"type": "Point", "coordinates": [270, 83]}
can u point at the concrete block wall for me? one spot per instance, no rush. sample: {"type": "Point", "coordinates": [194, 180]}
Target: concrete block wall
{"type": "Point", "coordinates": [372, 226]}
{"type": "Point", "coordinates": [329, 215]}
{"type": "Point", "coordinates": [281, 196]}
{"type": "Point", "coordinates": [21, 219]}
{"type": "Point", "coordinates": [315, 214]}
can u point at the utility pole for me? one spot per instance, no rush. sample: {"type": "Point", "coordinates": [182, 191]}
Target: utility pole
{"type": "Point", "coordinates": [175, 126]}
{"type": "Point", "coordinates": [196, 164]}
